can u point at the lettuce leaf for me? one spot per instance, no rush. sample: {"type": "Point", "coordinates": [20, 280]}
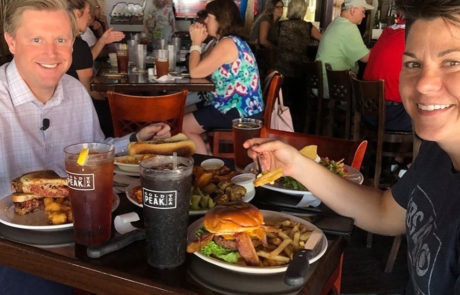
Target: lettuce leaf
{"type": "Point", "coordinates": [212, 249]}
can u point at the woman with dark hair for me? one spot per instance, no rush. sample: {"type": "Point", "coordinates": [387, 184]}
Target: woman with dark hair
{"type": "Point", "coordinates": [425, 204]}
{"type": "Point", "coordinates": [264, 30]}
{"type": "Point", "coordinates": [264, 34]}
{"type": "Point", "coordinates": [231, 66]}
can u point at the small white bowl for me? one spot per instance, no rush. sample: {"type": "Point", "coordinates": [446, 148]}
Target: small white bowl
{"type": "Point", "coordinates": [212, 164]}
{"type": "Point", "coordinates": [246, 180]}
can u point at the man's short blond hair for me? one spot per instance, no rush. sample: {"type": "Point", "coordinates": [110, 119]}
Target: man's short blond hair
{"type": "Point", "coordinates": [15, 9]}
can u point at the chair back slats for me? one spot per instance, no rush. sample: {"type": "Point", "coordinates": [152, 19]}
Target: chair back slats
{"type": "Point", "coordinates": [340, 99]}
{"type": "Point", "coordinates": [314, 80]}
{"type": "Point", "coordinates": [370, 102]}
{"type": "Point", "coordinates": [132, 112]}
{"type": "Point", "coordinates": [352, 152]}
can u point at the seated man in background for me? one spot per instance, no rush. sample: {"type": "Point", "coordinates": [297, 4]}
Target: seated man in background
{"type": "Point", "coordinates": [385, 63]}
{"type": "Point", "coordinates": [34, 87]}
{"type": "Point", "coordinates": [341, 45]}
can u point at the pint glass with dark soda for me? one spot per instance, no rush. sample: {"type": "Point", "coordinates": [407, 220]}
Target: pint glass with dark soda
{"type": "Point", "coordinates": [91, 192]}
{"type": "Point", "coordinates": [244, 129]}
{"type": "Point", "coordinates": [166, 191]}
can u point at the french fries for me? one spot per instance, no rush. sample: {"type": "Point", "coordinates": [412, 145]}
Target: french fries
{"type": "Point", "coordinates": [282, 244]}
{"type": "Point", "coordinates": [268, 177]}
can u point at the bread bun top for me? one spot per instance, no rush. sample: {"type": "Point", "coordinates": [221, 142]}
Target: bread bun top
{"type": "Point", "coordinates": [233, 218]}
{"type": "Point", "coordinates": [20, 183]}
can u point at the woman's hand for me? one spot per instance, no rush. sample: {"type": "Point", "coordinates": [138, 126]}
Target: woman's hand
{"type": "Point", "coordinates": [273, 154]}
{"type": "Point", "coordinates": [154, 131]}
{"type": "Point", "coordinates": [198, 33]}
{"type": "Point", "coordinates": [111, 36]}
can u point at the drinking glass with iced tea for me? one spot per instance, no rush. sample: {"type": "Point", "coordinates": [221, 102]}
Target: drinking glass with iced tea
{"type": "Point", "coordinates": [89, 168]}
{"type": "Point", "coordinates": [244, 129]}
{"type": "Point", "coordinates": [162, 62]}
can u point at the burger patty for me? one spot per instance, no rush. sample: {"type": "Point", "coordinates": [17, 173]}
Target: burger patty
{"type": "Point", "coordinates": [227, 244]}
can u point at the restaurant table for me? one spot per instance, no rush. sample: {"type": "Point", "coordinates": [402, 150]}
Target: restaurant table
{"type": "Point", "coordinates": [134, 82]}
{"type": "Point", "coordinates": [126, 271]}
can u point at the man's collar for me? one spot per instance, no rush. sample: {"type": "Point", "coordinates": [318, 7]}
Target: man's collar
{"type": "Point", "coordinates": [20, 91]}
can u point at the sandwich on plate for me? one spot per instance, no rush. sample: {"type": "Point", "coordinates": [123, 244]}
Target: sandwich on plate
{"type": "Point", "coordinates": [39, 190]}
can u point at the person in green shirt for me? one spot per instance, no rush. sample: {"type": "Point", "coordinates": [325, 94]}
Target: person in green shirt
{"type": "Point", "coordinates": [341, 45]}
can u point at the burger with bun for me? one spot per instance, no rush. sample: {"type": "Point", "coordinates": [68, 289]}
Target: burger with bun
{"type": "Point", "coordinates": [231, 232]}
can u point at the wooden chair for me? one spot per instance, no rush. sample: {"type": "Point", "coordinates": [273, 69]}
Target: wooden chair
{"type": "Point", "coordinates": [340, 103]}
{"type": "Point", "coordinates": [222, 138]}
{"type": "Point", "coordinates": [314, 80]}
{"type": "Point", "coordinates": [335, 148]}
{"type": "Point", "coordinates": [352, 152]}
{"type": "Point", "coordinates": [130, 112]}
{"type": "Point", "coordinates": [370, 101]}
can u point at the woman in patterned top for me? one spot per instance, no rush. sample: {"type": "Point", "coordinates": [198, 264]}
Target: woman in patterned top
{"type": "Point", "coordinates": [231, 66]}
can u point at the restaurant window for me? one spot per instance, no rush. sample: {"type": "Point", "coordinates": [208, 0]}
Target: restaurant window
{"type": "Point", "coordinates": [188, 8]}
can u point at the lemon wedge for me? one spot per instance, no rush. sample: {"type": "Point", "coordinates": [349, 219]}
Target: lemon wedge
{"type": "Point", "coordinates": [310, 151]}
{"type": "Point", "coordinates": [83, 157]}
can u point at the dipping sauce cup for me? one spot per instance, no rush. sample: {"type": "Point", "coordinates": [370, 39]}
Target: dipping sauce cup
{"type": "Point", "coordinates": [166, 193]}
{"type": "Point", "coordinates": [91, 192]}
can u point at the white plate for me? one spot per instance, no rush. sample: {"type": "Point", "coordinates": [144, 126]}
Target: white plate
{"type": "Point", "coordinates": [37, 220]}
{"type": "Point", "coordinates": [268, 215]}
{"type": "Point", "coordinates": [308, 198]}
{"type": "Point", "coordinates": [128, 167]}
{"type": "Point", "coordinates": [117, 170]}
{"type": "Point", "coordinates": [128, 192]}
{"type": "Point", "coordinates": [133, 168]}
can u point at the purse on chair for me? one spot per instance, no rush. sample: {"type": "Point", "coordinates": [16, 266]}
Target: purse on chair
{"type": "Point", "coordinates": [281, 118]}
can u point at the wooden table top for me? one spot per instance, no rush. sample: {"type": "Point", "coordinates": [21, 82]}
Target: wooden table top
{"type": "Point", "coordinates": [107, 79]}
{"type": "Point", "coordinates": [126, 271]}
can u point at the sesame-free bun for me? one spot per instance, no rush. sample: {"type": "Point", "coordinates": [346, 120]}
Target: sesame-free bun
{"type": "Point", "coordinates": [179, 143]}
{"type": "Point", "coordinates": [233, 218]}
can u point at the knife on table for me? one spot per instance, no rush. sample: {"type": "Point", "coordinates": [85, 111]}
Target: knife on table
{"type": "Point", "coordinates": [298, 267]}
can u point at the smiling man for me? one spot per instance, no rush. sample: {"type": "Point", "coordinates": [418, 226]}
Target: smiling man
{"type": "Point", "coordinates": [42, 109]}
